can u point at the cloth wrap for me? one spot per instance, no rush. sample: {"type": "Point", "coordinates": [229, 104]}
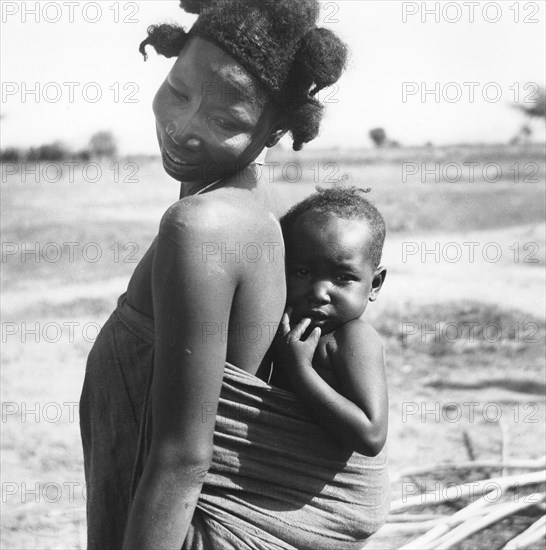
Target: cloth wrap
{"type": "Point", "coordinates": [277, 480]}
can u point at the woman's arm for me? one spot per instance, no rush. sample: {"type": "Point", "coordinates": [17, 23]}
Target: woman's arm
{"type": "Point", "coordinates": [189, 294]}
{"type": "Point", "coordinates": [358, 417]}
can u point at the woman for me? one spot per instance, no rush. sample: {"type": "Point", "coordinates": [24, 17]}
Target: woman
{"type": "Point", "coordinates": [244, 75]}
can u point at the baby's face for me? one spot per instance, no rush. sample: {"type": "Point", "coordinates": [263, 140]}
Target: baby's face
{"type": "Point", "coordinates": [329, 273]}
{"type": "Point", "coordinates": [211, 116]}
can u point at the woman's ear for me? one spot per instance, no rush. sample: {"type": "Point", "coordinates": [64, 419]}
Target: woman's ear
{"type": "Point", "coordinates": [377, 282]}
{"type": "Point", "coordinates": [276, 134]}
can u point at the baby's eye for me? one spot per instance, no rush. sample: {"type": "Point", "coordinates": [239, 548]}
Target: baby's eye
{"type": "Point", "coordinates": [302, 272]}
{"type": "Point", "coordinates": [344, 277]}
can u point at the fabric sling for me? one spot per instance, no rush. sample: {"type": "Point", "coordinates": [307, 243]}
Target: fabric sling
{"type": "Point", "coordinates": [277, 480]}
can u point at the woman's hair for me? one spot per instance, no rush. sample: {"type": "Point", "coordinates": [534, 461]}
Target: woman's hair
{"type": "Point", "coordinates": [347, 203]}
{"type": "Point", "coordinates": [277, 42]}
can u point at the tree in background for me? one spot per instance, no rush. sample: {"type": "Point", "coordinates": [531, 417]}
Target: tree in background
{"type": "Point", "coordinates": [103, 144]}
{"type": "Point", "coordinates": [378, 136]}
{"type": "Point", "coordinates": [535, 109]}
{"type": "Point", "coordinates": [49, 152]}
{"type": "Point", "coordinates": [11, 154]}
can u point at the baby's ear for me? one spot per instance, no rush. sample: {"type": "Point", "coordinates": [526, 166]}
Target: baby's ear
{"type": "Point", "coordinates": [276, 134]}
{"type": "Point", "coordinates": [377, 282]}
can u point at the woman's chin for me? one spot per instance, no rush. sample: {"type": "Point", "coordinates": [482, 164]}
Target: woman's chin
{"type": "Point", "coordinates": [201, 173]}
{"type": "Point", "coordinates": [178, 175]}
{"type": "Point", "coordinates": [184, 172]}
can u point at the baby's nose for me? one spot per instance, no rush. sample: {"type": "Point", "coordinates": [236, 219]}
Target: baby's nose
{"type": "Point", "coordinates": [320, 293]}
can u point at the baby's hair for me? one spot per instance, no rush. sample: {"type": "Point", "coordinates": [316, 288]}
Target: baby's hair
{"type": "Point", "coordinates": [347, 203]}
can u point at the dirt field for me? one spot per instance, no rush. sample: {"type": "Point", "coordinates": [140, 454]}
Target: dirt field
{"type": "Point", "coordinates": [462, 312]}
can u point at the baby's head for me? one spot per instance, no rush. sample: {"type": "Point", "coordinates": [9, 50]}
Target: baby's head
{"type": "Point", "coordinates": [333, 241]}
{"type": "Point", "coordinates": [247, 72]}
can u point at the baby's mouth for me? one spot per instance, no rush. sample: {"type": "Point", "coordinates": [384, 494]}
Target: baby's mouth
{"type": "Point", "coordinates": [318, 315]}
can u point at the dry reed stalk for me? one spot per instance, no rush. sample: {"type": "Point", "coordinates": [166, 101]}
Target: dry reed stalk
{"type": "Point", "coordinates": [67, 511]}
{"type": "Point", "coordinates": [468, 446]}
{"type": "Point", "coordinates": [402, 518]}
{"type": "Point", "coordinates": [534, 464]}
{"type": "Point", "coordinates": [530, 536]}
{"type": "Point", "coordinates": [470, 527]}
{"type": "Point", "coordinates": [472, 518]}
{"type": "Point", "coordinates": [408, 527]}
{"type": "Point", "coordinates": [472, 510]}
{"type": "Point", "coordinates": [438, 525]}
{"type": "Point", "coordinates": [504, 445]}
{"type": "Point", "coordinates": [467, 490]}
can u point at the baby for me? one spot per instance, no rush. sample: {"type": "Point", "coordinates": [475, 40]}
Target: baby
{"type": "Point", "coordinates": [331, 356]}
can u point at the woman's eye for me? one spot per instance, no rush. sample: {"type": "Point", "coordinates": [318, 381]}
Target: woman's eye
{"type": "Point", "coordinates": [302, 272]}
{"type": "Point", "coordinates": [224, 123]}
{"type": "Point", "coordinates": [178, 94]}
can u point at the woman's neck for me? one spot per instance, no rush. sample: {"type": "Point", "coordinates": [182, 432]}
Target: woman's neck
{"type": "Point", "coordinates": [252, 179]}
{"type": "Point", "coordinates": [189, 189]}
{"type": "Point", "coordinates": [247, 178]}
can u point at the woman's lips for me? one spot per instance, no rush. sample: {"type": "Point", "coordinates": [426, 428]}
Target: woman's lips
{"type": "Point", "coordinates": [176, 160]}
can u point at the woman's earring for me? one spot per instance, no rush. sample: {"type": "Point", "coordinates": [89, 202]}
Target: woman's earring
{"type": "Point", "coordinates": [170, 129]}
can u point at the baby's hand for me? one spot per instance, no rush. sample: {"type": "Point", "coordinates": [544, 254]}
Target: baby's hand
{"type": "Point", "coordinates": [290, 349]}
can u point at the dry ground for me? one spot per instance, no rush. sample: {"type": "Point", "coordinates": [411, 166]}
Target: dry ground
{"type": "Point", "coordinates": [465, 339]}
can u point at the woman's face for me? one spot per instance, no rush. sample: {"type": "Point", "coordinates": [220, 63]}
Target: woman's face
{"type": "Point", "coordinates": [212, 118]}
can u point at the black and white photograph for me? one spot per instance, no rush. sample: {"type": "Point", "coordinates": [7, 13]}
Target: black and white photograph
{"type": "Point", "coordinates": [273, 275]}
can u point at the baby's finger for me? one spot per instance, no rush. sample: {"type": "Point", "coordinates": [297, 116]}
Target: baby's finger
{"type": "Point", "coordinates": [315, 334]}
{"type": "Point", "coordinates": [284, 327]}
{"type": "Point", "coordinates": [297, 332]}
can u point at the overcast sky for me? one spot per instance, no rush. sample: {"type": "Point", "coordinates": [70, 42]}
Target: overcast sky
{"type": "Point", "coordinates": [478, 56]}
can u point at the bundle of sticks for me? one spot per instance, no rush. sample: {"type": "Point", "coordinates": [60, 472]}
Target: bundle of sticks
{"type": "Point", "coordinates": [484, 502]}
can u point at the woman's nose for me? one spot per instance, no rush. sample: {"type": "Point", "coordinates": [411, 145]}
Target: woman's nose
{"type": "Point", "coordinates": [183, 133]}
{"type": "Point", "coordinates": [320, 293]}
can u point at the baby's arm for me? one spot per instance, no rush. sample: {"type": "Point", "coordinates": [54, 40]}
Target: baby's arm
{"type": "Point", "coordinates": [358, 417]}
{"type": "Point", "coordinates": [357, 357]}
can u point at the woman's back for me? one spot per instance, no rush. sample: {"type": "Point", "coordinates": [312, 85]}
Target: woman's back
{"type": "Point", "coordinates": [247, 244]}
{"type": "Point", "coordinates": [210, 289]}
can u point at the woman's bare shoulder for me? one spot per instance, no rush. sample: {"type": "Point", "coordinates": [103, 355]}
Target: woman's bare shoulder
{"type": "Point", "coordinates": [229, 212]}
